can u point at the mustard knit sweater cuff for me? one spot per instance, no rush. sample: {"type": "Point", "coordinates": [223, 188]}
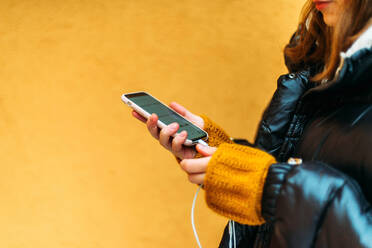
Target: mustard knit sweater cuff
{"type": "Point", "coordinates": [234, 182]}
{"type": "Point", "coordinates": [216, 135]}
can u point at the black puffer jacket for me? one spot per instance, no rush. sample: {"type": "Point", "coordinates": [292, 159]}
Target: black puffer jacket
{"type": "Point", "coordinates": [326, 200]}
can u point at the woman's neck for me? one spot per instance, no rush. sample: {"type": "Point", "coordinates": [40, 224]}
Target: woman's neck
{"type": "Point", "coordinates": [359, 41]}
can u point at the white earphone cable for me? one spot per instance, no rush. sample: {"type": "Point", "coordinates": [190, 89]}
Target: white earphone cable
{"type": "Point", "coordinates": [231, 222]}
{"type": "Point", "coordinates": [192, 216]}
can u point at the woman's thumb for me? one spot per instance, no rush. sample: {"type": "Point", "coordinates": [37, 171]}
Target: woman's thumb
{"type": "Point", "coordinates": [205, 150]}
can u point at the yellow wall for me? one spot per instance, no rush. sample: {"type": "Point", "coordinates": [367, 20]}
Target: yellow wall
{"type": "Point", "coordinates": [76, 169]}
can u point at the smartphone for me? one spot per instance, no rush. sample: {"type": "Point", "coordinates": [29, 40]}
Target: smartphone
{"type": "Point", "coordinates": [145, 104]}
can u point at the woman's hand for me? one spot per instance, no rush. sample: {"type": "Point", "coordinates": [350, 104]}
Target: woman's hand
{"type": "Point", "coordinates": [196, 168]}
{"type": "Point", "coordinates": [174, 145]}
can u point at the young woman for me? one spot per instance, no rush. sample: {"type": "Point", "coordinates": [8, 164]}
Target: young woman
{"type": "Point", "coordinates": [320, 113]}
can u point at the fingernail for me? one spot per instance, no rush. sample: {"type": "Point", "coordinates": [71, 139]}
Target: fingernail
{"type": "Point", "coordinates": [173, 125]}
{"type": "Point", "coordinates": [201, 147]}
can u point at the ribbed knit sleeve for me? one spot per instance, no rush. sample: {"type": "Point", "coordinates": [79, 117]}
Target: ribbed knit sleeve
{"type": "Point", "coordinates": [234, 182]}
{"type": "Point", "coordinates": [216, 135]}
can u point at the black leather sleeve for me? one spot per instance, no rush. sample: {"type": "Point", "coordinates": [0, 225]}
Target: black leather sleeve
{"type": "Point", "coordinates": [278, 114]}
{"type": "Point", "coordinates": [314, 205]}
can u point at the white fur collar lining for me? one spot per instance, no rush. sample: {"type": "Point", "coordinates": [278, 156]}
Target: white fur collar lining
{"type": "Point", "coordinates": [364, 41]}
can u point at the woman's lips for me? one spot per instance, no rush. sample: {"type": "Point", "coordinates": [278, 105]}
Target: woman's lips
{"type": "Point", "coordinates": [321, 4]}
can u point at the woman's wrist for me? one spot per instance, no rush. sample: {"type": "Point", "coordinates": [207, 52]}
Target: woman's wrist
{"type": "Point", "coordinates": [216, 135]}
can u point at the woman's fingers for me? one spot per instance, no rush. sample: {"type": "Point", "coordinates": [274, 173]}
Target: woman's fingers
{"type": "Point", "coordinates": [205, 150]}
{"type": "Point", "coordinates": [152, 126]}
{"type": "Point", "coordinates": [196, 178]}
{"type": "Point", "coordinates": [138, 116]}
{"type": "Point", "coordinates": [166, 134]}
{"type": "Point", "coordinates": [177, 144]}
{"type": "Point", "coordinates": [197, 120]}
{"type": "Point", "coordinates": [195, 166]}
{"type": "Point", "coordinates": [178, 108]}
{"type": "Point", "coordinates": [178, 148]}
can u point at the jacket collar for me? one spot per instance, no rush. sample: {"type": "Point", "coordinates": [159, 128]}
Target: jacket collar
{"type": "Point", "coordinates": [354, 75]}
{"type": "Point", "coordinates": [364, 42]}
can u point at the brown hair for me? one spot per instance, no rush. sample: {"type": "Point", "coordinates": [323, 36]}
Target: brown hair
{"type": "Point", "coordinates": [316, 43]}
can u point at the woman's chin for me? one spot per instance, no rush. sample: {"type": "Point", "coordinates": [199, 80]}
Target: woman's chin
{"type": "Point", "coordinates": [329, 20]}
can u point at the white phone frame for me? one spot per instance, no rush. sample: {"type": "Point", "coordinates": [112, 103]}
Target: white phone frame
{"type": "Point", "coordinates": [161, 125]}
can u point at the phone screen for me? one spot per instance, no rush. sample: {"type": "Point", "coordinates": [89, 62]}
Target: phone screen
{"type": "Point", "coordinates": [166, 115]}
